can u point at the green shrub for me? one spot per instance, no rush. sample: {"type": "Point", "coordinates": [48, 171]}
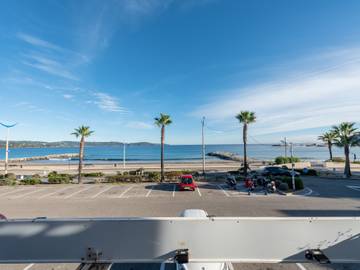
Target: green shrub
{"type": "Point", "coordinates": [31, 181]}
{"type": "Point", "coordinates": [10, 176]}
{"type": "Point", "coordinates": [7, 182]}
{"type": "Point", "coordinates": [283, 186]}
{"type": "Point", "coordinates": [173, 175]}
{"type": "Point", "coordinates": [337, 159]}
{"type": "Point", "coordinates": [123, 178]}
{"type": "Point", "coordinates": [93, 174]}
{"type": "Point", "coordinates": [59, 178]}
{"type": "Point", "coordinates": [287, 179]}
{"type": "Point", "coordinates": [283, 160]}
{"type": "Point", "coordinates": [132, 172]}
{"type": "Point", "coordinates": [153, 176]}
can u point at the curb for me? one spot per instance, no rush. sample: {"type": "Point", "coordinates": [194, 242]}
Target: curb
{"type": "Point", "coordinates": [285, 193]}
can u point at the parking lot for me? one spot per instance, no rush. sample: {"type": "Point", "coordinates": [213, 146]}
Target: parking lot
{"type": "Point", "coordinates": [123, 191]}
{"type": "Point", "coordinates": [321, 197]}
{"type": "Point", "coordinates": [93, 191]}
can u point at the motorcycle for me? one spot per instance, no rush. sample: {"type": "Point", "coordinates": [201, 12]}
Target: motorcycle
{"type": "Point", "coordinates": [269, 187]}
{"type": "Point", "coordinates": [231, 182]}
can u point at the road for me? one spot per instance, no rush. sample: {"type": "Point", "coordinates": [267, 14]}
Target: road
{"type": "Point", "coordinates": [322, 197]}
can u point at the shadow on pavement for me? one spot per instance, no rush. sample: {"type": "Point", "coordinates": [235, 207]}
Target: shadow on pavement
{"type": "Point", "coordinates": [320, 213]}
{"type": "Point", "coordinates": [161, 186]}
{"type": "Point", "coordinates": [333, 188]}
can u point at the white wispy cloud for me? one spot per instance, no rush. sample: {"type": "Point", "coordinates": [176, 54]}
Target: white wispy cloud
{"type": "Point", "coordinates": [107, 102]}
{"type": "Point", "coordinates": [307, 98]}
{"type": "Point", "coordinates": [49, 65]}
{"type": "Point", "coordinates": [32, 40]}
{"type": "Point", "coordinates": [144, 7]}
{"type": "Point", "coordinates": [68, 96]}
{"type": "Point", "coordinates": [139, 125]}
{"type": "Point", "coordinates": [100, 20]}
{"type": "Point", "coordinates": [28, 106]}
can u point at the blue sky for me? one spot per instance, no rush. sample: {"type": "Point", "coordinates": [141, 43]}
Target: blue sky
{"type": "Point", "coordinates": [115, 65]}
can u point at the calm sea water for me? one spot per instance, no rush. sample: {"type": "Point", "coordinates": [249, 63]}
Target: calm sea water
{"type": "Point", "coordinates": [176, 152]}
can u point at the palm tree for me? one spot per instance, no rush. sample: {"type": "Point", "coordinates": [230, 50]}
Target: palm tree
{"type": "Point", "coordinates": [161, 122]}
{"type": "Point", "coordinates": [328, 138]}
{"type": "Point", "coordinates": [346, 135]}
{"type": "Point", "coordinates": [82, 132]}
{"type": "Point", "coordinates": [246, 118]}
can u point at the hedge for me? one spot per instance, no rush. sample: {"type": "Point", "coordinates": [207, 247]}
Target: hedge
{"type": "Point", "coordinates": [298, 182]}
{"type": "Point", "coordinates": [59, 178]}
{"type": "Point", "coordinates": [123, 178]}
{"type": "Point", "coordinates": [283, 160]}
{"type": "Point", "coordinates": [93, 174]}
{"type": "Point", "coordinates": [8, 176]}
{"type": "Point", "coordinates": [153, 176]}
{"type": "Point", "coordinates": [7, 182]}
{"type": "Point", "coordinates": [33, 180]}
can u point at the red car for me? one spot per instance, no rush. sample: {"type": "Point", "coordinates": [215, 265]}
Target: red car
{"type": "Point", "coordinates": [187, 183]}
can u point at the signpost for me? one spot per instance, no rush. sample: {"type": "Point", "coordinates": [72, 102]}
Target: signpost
{"type": "Point", "coordinates": [7, 144]}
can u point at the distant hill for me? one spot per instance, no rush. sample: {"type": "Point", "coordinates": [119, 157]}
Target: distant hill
{"type": "Point", "coordinates": [41, 144]}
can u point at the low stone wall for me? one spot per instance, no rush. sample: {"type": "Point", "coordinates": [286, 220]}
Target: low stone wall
{"type": "Point", "coordinates": [338, 165]}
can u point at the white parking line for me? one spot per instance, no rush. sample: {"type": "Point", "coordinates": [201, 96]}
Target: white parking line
{"type": "Point", "coordinates": [300, 266]}
{"type": "Point", "coordinates": [148, 194]}
{"type": "Point", "coordinates": [101, 192]}
{"type": "Point", "coordinates": [126, 190]}
{"type": "Point", "coordinates": [28, 193]}
{"type": "Point", "coordinates": [77, 192]}
{"type": "Point", "coordinates": [310, 191]}
{"type": "Point", "coordinates": [173, 193]}
{"type": "Point", "coordinates": [52, 193]}
{"type": "Point", "coordinates": [223, 190]}
{"type": "Point", "coordinates": [357, 188]}
{"type": "Point", "coordinates": [198, 190]}
{"type": "Point", "coordinates": [12, 191]}
{"type": "Point", "coordinates": [28, 266]}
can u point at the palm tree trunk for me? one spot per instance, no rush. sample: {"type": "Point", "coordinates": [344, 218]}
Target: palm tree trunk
{"type": "Point", "coordinates": [162, 152]}
{"type": "Point", "coordinates": [81, 156]}
{"type": "Point", "coordinates": [347, 170]}
{"type": "Point", "coordinates": [245, 154]}
{"type": "Point", "coordinates": [330, 151]}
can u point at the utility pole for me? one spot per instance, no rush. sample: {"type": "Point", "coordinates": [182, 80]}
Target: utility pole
{"type": "Point", "coordinates": [7, 145]}
{"type": "Point", "coordinates": [7, 151]}
{"type": "Point", "coordinates": [285, 147]}
{"type": "Point", "coordinates": [203, 144]}
{"type": "Point", "coordinates": [124, 155]}
{"type": "Point", "coordinates": [292, 167]}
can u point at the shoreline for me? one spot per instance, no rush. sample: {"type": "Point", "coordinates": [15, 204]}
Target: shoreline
{"type": "Point", "coordinates": [28, 168]}
{"type": "Point", "coordinates": [216, 165]}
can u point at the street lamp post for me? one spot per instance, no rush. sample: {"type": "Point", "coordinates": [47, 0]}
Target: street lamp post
{"type": "Point", "coordinates": [124, 155]}
{"type": "Point", "coordinates": [7, 144]}
{"type": "Point", "coordinates": [203, 144]}
{"type": "Point", "coordinates": [292, 167]}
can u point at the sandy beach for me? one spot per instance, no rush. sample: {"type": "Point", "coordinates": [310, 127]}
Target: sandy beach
{"type": "Point", "coordinates": [28, 168]}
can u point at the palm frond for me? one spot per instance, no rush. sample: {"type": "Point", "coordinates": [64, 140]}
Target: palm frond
{"type": "Point", "coordinates": [163, 120]}
{"type": "Point", "coordinates": [82, 131]}
{"type": "Point", "coordinates": [246, 117]}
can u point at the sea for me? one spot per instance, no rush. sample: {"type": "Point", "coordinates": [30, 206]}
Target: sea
{"type": "Point", "coordinates": [176, 153]}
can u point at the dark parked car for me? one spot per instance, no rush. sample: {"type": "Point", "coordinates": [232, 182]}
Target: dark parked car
{"type": "Point", "coordinates": [277, 171]}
